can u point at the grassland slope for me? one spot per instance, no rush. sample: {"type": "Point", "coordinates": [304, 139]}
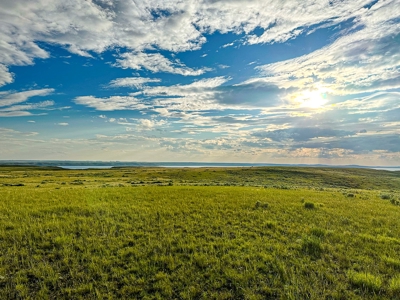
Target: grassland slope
{"type": "Point", "coordinates": [237, 233]}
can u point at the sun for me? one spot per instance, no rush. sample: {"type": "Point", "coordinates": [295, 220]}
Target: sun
{"type": "Point", "coordinates": [313, 98]}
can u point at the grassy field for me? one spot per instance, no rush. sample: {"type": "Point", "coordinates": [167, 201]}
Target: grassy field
{"type": "Point", "coordinates": [209, 233]}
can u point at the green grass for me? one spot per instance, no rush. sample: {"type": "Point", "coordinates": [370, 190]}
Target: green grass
{"type": "Point", "coordinates": [394, 285]}
{"type": "Point", "coordinates": [96, 235]}
{"type": "Point", "coordinates": [365, 281]}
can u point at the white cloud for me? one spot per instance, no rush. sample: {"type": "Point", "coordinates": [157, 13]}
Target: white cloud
{"type": "Point", "coordinates": [198, 95]}
{"type": "Point", "coordinates": [162, 111]}
{"type": "Point", "coordinates": [278, 20]}
{"type": "Point", "coordinates": [10, 133]}
{"type": "Point", "coordinates": [10, 102]}
{"type": "Point", "coordinates": [228, 45]}
{"type": "Point", "coordinates": [378, 102]}
{"type": "Point", "coordinates": [89, 27]}
{"type": "Point", "coordinates": [62, 124]}
{"type": "Point", "coordinates": [147, 124]}
{"type": "Point", "coordinates": [110, 103]}
{"type": "Point", "coordinates": [223, 66]}
{"type": "Point", "coordinates": [155, 63]}
{"type": "Point", "coordinates": [195, 87]}
{"type": "Point", "coordinates": [8, 98]}
{"type": "Point", "coordinates": [364, 60]}
{"type": "Point", "coordinates": [39, 105]}
{"type": "Point", "coordinates": [15, 114]}
{"type": "Point", "coordinates": [133, 82]}
{"type": "Point", "coordinates": [5, 76]}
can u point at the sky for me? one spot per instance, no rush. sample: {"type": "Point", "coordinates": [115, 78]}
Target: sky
{"type": "Point", "coordinates": [258, 81]}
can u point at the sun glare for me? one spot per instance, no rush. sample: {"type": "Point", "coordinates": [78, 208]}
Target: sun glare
{"type": "Point", "coordinates": [313, 98]}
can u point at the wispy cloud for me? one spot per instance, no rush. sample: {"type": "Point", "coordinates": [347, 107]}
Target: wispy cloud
{"type": "Point", "coordinates": [15, 114]}
{"type": "Point", "coordinates": [9, 98]}
{"type": "Point", "coordinates": [110, 103]}
{"type": "Point", "coordinates": [132, 82]}
{"type": "Point", "coordinates": [39, 105]}
{"type": "Point", "coordinates": [363, 60]}
{"type": "Point", "coordinates": [10, 102]}
{"type": "Point", "coordinates": [155, 63]}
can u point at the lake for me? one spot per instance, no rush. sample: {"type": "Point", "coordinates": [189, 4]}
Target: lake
{"type": "Point", "coordinates": [84, 167]}
{"type": "Point", "coordinates": [387, 169]}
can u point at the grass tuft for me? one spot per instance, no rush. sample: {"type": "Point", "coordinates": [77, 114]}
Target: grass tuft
{"type": "Point", "coordinates": [365, 281]}
{"type": "Point", "coordinates": [311, 245]}
{"type": "Point", "coordinates": [318, 232]}
{"type": "Point", "coordinates": [394, 285]}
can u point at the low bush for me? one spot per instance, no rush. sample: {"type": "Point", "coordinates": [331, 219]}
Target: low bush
{"type": "Point", "coordinates": [309, 205]}
{"type": "Point", "coordinates": [260, 204]}
{"type": "Point", "coordinates": [395, 202]}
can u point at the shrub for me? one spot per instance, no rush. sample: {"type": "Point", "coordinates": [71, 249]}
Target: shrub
{"type": "Point", "coordinates": [309, 205]}
{"type": "Point", "coordinates": [312, 246]}
{"type": "Point", "coordinates": [260, 204]}
{"type": "Point", "coordinates": [365, 281]}
{"type": "Point", "coordinates": [13, 184]}
{"type": "Point", "coordinates": [395, 202]}
{"type": "Point", "coordinates": [386, 196]}
{"type": "Point", "coordinates": [76, 182]}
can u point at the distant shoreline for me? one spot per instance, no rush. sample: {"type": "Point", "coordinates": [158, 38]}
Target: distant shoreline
{"type": "Point", "coordinates": [108, 165]}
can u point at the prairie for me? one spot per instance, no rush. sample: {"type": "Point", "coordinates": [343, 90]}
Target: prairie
{"type": "Point", "coordinates": [201, 233]}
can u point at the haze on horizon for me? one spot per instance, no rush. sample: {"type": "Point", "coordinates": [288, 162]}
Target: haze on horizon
{"type": "Point", "coordinates": [209, 81]}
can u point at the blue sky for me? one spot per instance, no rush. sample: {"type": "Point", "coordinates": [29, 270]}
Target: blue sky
{"type": "Point", "coordinates": [210, 81]}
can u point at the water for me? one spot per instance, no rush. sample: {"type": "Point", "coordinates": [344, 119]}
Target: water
{"type": "Point", "coordinates": [84, 167]}
{"type": "Point", "coordinates": [204, 166]}
{"type": "Point", "coordinates": [387, 169]}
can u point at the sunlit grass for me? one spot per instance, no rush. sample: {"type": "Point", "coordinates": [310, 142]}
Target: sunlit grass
{"type": "Point", "coordinates": [109, 238]}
